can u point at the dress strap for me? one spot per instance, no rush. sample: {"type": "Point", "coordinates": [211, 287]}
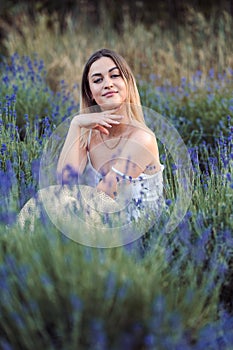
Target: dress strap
{"type": "Point", "coordinates": [127, 177]}
{"type": "Point", "coordinates": [88, 146]}
{"type": "Point", "coordinates": [121, 174]}
{"type": "Point", "coordinates": [89, 139]}
{"type": "Point", "coordinates": [141, 177]}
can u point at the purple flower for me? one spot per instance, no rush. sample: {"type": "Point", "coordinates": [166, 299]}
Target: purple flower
{"type": "Point", "coordinates": [168, 202]}
{"type": "Point", "coordinates": [110, 289]}
{"type": "Point", "coordinates": [150, 341]}
{"type": "Point", "coordinates": [98, 337]}
{"type": "Point", "coordinates": [174, 167]}
{"type": "Point", "coordinates": [211, 73]}
{"type": "Point", "coordinates": [3, 148]}
{"type": "Point", "coordinates": [46, 280]}
{"type": "Point", "coordinates": [76, 303]}
{"type": "Point", "coordinates": [228, 176]}
{"type": "Point", "coordinates": [5, 345]}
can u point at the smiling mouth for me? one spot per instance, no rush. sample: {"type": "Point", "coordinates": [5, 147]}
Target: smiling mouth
{"type": "Point", "coordinates": [110, 93]}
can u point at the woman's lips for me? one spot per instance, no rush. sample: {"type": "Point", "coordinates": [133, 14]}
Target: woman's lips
{"type": "Point", "coordinates": [109, 93]}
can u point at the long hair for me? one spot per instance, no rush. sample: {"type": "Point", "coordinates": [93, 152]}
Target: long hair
{"type": "Point", "coordinates": [133, 99]}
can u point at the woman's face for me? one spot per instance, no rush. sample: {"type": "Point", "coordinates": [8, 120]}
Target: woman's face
{"type": "Point", "coordinates": [106, 83]}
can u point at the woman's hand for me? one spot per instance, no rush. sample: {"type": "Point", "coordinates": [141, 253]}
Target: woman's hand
{"type": "Point", "coordinates": [100, 121]}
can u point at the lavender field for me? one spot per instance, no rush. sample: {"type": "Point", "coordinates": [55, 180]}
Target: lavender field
{"type": "Point", "coordinates": [57, 294]}
{"type": "Point", "coordinates": [173, 293]}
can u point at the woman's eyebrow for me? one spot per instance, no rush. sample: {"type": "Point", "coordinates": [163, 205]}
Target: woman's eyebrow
{"type": "Point", "coordinates": [110, 70]}
{"type": "Point", "coordinates": [99, 74]}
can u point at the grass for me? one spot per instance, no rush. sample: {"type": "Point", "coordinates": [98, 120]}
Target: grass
{"type": "Point", "coordinates": [198, 44]}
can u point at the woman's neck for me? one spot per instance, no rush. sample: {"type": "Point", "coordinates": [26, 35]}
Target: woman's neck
{"type": "Point", "coordinates": [117, 130]}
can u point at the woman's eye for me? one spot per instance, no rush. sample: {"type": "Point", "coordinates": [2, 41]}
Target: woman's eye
{"type": "Point", "coordinates": [115, 75]}
{"type": "Point", "coordinates": [98, 80]}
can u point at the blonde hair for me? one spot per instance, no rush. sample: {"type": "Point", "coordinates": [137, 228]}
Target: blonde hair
{"type": "Point", "coordinates": [87, 104]}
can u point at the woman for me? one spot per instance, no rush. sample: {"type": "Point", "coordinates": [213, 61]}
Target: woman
{"type": "Point", "coordinates": [109, 146]}
{"type": "Point", "coordinates": [113, 140]}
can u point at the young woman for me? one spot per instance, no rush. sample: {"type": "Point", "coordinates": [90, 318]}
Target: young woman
{"type": "Point", "coordinates": [115, 156]}
{"type": "Point", "coordinates": [110, 139]}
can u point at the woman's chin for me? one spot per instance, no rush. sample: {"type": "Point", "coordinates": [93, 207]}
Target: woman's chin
{"type": "Point", "coordinates": [110, 105]}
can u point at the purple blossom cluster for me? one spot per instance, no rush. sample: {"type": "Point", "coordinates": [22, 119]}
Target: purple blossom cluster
{"type": "Point", "coordinates": [197, 107]}
{"type": "Point", "coordinates": [24, 85]}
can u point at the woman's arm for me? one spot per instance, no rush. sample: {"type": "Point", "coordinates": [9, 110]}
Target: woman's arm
{"type": "Point", "coordinates": [73, 156]}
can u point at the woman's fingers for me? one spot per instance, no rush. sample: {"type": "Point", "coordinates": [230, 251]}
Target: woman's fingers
{"type": "Point", "coordinates": [102, 129]}
{"type": "Point", "coordinates": [113, 116]}
{"type": "Point", "coordinates": [111, 121]}
{"type": "Point", "coordinates": [92, 120]}
{"type": "Point", "coordinates": [104, 124]}
{"type": "Point", "coordinates": [112, 113]}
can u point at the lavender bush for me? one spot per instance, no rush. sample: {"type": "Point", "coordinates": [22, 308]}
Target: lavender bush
{"type": "Point", "coordinates": [24, 79]}
{"type": "Point", "coordinates": [198, 107]}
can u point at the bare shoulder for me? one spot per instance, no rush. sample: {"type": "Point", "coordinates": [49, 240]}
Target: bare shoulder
{"type": "Point", "coordinates": [145, 136]}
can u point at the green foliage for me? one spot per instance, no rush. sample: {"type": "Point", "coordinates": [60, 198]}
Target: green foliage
{"type": "Point", "coordinates": [65, 289]}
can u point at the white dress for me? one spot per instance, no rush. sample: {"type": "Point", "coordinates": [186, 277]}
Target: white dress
{"type": "Point", "coordinates": [140, 195]}
{"type": "Point", "coordinates": [144, 192]}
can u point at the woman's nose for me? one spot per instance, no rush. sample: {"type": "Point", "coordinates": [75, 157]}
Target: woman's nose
{"type": "Point", "coordinates": [107, 83]}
